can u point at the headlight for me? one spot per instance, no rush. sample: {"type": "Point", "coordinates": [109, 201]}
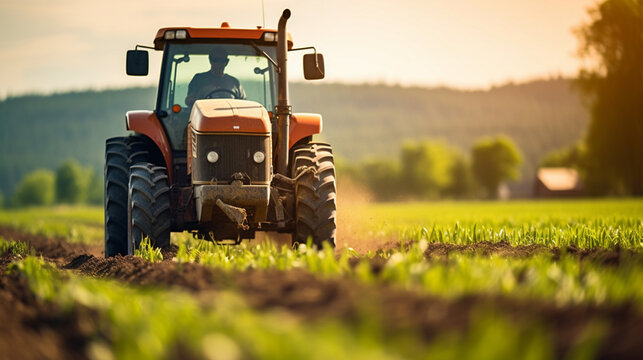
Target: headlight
{"type": "Point", "coordinates": [213, 156]}
{"type": "Point", "coordinates": [181, 34]}
{"type": "Point", "coordinates": [169, 35]}
{"type": "Point", "coordinates": [259, 157]}
{"type": "Point", "coordinates": [270, 37]}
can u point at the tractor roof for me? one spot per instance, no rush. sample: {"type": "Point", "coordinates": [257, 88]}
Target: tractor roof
{"type": "Point", "coordinates": [223, 32]}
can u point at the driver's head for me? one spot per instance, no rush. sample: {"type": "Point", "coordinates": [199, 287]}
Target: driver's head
{"type": "Point", "coordinates": [218, 60]}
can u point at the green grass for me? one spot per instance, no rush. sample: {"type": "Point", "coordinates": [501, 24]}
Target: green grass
{"type": "Point", "coordinates": [152, 323]}
{"type": "Point", "coordinates": [582, 223]}
{"type": "Point", "coordinates": [566, 280]}
{"type": "Point", "coordinates": [264, 256]}
{"type": "Point", "coordinates": [148, 252]}
{"type": "Point", "coordinates": [77, 224]}
{"type": "Point", "coordinates": [17, 248]}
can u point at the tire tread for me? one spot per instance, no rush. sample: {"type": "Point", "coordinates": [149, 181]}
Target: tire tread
{"type": "Point", "coordinates": [315, 193]}
{"type": "Point", "coordinates": [120, 154]}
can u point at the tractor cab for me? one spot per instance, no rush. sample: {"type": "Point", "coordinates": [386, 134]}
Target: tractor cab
{"type": "Point", "coordinates": [245, 59]}
{"type": "Point", "coordinates": [195, 71]}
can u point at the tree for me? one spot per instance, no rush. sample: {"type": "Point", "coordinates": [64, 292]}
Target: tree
{"type": "Point", "coordinates": [494, 161]}
{"type": "Point", "coordinates": [37, 188]}
{"type": "Point", "coordinates": [72, 182]}
{"type": "Point", "coordinates": [462, 184]}
{"type": "Point", "coordinates": [95, 190]}
{"type": "Point", "coordinates": [1, 200]}
{"type": "Point", "coordinates": [381, 177]}
{"type": "Point", "coordinates": [426, 167]}
{"type": "Point", "coordinates": [574, 156]}
{"type": "Point", "coordinates": [613, 40]}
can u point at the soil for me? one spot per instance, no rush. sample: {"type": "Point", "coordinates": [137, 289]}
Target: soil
{"type": "Point", "coordinates": [612, 256]}
{"type": "Point", "coordinates": [30, 329]}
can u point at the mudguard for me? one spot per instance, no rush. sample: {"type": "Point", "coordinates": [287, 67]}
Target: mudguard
{"type": "Point", "coordinates": [303, 125]}
{"type": "Point", "coordinates": [147, 123]}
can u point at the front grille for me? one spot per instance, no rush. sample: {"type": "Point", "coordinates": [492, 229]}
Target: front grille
{"type": "Point", "coordinates": [235, 156]}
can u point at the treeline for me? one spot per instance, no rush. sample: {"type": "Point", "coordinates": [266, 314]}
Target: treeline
{"type": "Point", "coordinates": [424, 170]}
{"type": "Point", "coordinates": [71, 183]}
{"type": "Point", "coordinates": [428, 169]}
{"type": "Point", "coordinates": [43, 131]}
{"type": "Point", "coordinates": [361, 121]}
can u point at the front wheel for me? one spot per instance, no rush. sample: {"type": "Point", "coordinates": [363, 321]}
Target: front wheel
{"type": "Point", "coordinates": [149, 211]}
{"type": "Point", "coordinates": [120, 154]}
{"type": "Point", "coordinates": [315, 193]}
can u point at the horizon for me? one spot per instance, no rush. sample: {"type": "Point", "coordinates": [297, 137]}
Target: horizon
{"type": "Point", "coordinates": [470, 45]}
{"type": "Point", "coordinates": [492, 87]}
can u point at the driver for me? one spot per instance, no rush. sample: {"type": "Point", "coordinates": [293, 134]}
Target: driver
{"type": "Point", "coordinates": [214, 83]}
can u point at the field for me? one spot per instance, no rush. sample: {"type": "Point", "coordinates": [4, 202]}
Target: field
{"type": "Point", "coordinates": [445, 280]}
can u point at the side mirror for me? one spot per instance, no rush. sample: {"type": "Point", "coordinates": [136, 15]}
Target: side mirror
{"type": "Point", "coordinates": [313, 66]}
{"type": "Point", "coordinates": [137, 62]}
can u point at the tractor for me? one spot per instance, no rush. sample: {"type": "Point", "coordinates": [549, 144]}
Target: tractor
{"type": "Point", "coordinates": [222, 155]}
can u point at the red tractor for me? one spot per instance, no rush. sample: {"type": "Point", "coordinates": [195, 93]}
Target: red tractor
{"type": "Point", "coordinates": [222, 155]}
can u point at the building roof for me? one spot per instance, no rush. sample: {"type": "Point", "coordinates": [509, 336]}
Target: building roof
{"type": "Point", "coordinates": [559, 178]}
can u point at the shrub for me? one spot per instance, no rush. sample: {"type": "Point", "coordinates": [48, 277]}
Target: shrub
{"type": "Point", "coordinates": [426, 168]}
{"type": "Point", "coordinates": [37, 188]}
{"type": "Point", "coordinates": [494, 161]}
{"type": "Point", "coordinates": [381, 177]}
{"type": "Point", "coordinates": [72, 182]}
{"type": "Point", "coordinates": [95, 190]}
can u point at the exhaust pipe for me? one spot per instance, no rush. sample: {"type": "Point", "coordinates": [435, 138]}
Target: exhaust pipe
{"type": "Point", "coordinates": [283, 110]}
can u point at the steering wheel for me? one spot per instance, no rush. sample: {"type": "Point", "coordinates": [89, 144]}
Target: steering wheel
{"type": "Point", "coordinates": [210, 95]}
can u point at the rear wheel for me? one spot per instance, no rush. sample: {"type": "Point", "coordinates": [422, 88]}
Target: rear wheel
{"type": "Point", "coordinates": [120, 154]}
{"type": "Point", "coordinates": [148, 206]}
{"type": "Point", "coordinates": [315, 193]}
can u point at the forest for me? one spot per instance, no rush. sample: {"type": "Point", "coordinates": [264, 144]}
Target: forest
{"type": "Point", "coordinates": [362, 121]}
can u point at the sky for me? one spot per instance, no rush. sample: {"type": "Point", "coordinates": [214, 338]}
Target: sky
{"type": "Point", "coordinates": [50, 46]}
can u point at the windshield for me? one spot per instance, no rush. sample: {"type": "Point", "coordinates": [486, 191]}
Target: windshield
{"type": "Point", "coordinates": [201, 71]}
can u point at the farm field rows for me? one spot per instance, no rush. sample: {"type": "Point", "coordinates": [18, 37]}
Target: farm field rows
{"type": "Point", "coordinates": [408, 280]}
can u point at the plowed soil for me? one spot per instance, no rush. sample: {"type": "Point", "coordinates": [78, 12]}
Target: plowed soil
{"type": "Point", "coordinates": [29, 329]}
{"type": "Point", "coordinates": [503, 248]}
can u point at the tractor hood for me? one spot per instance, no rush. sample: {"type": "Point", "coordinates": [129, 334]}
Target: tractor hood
{"type": "Point", "coordinates": [229, 116]}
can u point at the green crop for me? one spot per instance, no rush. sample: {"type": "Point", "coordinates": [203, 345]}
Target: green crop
{"type": "Point", "coordinates": [564, 278]}
{"type": "Point", "coordinates": [151, 323]}
{"type": "Point", "coordinates": [10, 247]}
{"type": "Point", "coordinates": [588, 224]}
{"type": "Point", "coordinates": [148, 252]}
{"type": "Point", "coordinates": [581, 223]}
{"type": "Point", "coordinates": [264, 256]}
{"type": "Point", "coordinates": [77, 224]}
{"type": "Point", "coordinates": [590, 235]}
{"type": "Point", "coordinates": [146, 323]}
